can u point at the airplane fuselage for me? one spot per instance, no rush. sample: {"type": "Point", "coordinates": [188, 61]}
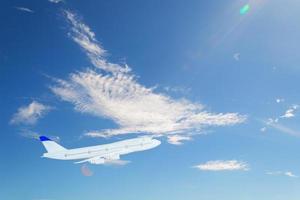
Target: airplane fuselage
{"type": "Point", "coordinates": [105, 150]}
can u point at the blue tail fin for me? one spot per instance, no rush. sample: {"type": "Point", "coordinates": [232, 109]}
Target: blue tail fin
{"type": "Point", "coordinates": [50, 145]}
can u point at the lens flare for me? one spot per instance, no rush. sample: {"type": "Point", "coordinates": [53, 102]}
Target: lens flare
{"type": "Point", "coordinates": [86, 171]}
{"type": "Point", "coordinates": [245, 9]}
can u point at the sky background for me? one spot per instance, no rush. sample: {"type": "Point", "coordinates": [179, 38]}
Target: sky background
{"type": "Point", "coordinates": [205, 52]}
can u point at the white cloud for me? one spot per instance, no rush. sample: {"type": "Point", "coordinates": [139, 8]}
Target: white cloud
{"type": "Point", "coordinates": [24, 9]}
{"type": "Point", "coordinates": [34, 135]}
{"type": "Point", "coordinates": [277, 173]}
{"type": "Point", "coordinates": [56, 1]}
{"type": "Point", "coordinates": [290, 112]}
{"type": "Point", "coordinates": [177, 139]}
{"type": "Point", "coordinates": [279, 100]}
{"type": "Point", "coordinates": [30, 114]}
{"type": "Point", "coordinates": [222, 165]}
{"type": "Point", "coordinates": [290, 174]}
{"type": "Point", "coordinates": [263, 129]}
{"type": "Point", "coordinates": [29, 134]}
{"type": "Point", "coordinates": [133, 107]}
{"type": "Point", "coordinates": [111, 91]}
{"type": "Point", "coordinates": [285, 129]}
{"type": "Point", "coordinates": [85, 38]}
{"type": "Point", "coordinates": [274, 123]}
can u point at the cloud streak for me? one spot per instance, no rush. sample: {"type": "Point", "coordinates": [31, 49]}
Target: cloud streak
{"type": "Point", "coordinates": [55, 1]}
{"type": "Point", "coordinates": [24, 9]}
{"type": "Point", "coordinates": [280, 173]}
{"type": "Point", "coordinates": [85, 38]}
{"type": "Point", "coordinates": [30, 114]}
{"type": "Point", "coordinates": [178, 139]}
{"type": "Point", "coordinates": [284, 129]}
{"type": "Point", "coordinates": [276, 122]}
{"type": "Point", "coordinates": [111, 91]}
{"type": "Point", "coordinates": [223, 165]}
{"type": "Point", "coordinates": [289, 113]}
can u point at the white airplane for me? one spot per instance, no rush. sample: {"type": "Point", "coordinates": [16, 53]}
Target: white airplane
{"type": "Point", "coordinates": [100, 154]}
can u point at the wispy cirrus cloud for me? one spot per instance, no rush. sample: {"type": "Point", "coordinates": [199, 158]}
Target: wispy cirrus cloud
{"type": "Point", "coordinates": [24, 9]}
{"type": "Point", "coordinates": [85, 38]}
{"type": "Point", "coordinates": [283, 128]}
{"type": "Point", "coordinates": [111, 91]}
{"type": "Point", "coordinates": [29, 134]}
{"type": "Point", "coordinates": [289, 113]}
{"type": "Point", "coordinates": [30, 114]}
{"type": "Point", "coordinates": [277, 122]}
{"type": "Point", "coordinates": [282, 173]}
{"type": "Point", "coordinates": [223, 165]}
{"type": "Point", "coordinates": [56, 1]}
{"type": "Point", "coordinates": [178, 139]}
{"type": "Point", "coordinates": [35, 135]}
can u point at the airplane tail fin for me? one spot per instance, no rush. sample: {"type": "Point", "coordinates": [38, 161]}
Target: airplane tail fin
{"type": "Point", "coordinates": [50, 145]}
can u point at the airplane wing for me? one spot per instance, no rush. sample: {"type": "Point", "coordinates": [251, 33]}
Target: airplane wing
{"type": "Point", "coordinates": [99, 160]}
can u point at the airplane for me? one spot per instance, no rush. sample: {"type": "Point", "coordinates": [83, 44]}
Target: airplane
{"type": "Point", "coordinates": [99, 154]}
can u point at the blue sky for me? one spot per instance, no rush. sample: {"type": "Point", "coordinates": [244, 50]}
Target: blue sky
{"type": "Point", "coordinates": [218, 88]}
